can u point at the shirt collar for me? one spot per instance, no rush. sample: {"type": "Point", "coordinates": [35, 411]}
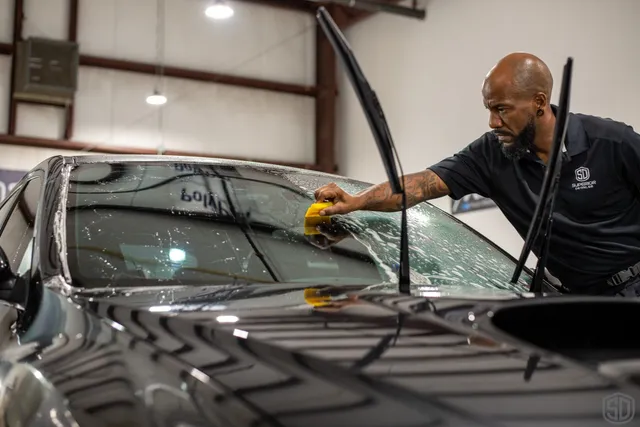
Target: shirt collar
{"type": "Point", "coordinates": [576, 140]}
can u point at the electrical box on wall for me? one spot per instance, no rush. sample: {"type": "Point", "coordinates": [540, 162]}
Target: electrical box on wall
{"type": "Point", "coordinates": [46, 71]}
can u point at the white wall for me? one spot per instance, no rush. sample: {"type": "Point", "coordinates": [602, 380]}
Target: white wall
{"type": "Point", "coordinates": [428, 75]}
{"type": "Point", "coordinates": [6, 20]}
{"type": "Point", "coordinates": [258, 41]}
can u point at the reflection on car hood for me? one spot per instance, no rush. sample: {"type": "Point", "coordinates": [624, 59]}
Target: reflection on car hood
{"type": "Point", "coordinates": [188, 298]}
{"type": "Point", "coordinates": [290, 355]}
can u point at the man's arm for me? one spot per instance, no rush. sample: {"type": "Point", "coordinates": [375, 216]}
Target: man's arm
{"type": "Point", "coordinates": [420, 186]}
{"type": "Point", "coordinates": [466, 172]}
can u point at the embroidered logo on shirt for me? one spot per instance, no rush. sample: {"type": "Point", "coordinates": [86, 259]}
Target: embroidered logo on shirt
{"type": "Point", "coordinates": [582, 176]}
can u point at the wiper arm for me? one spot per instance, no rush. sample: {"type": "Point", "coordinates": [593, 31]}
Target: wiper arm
{"type": "Point", "coordinates": [378, 124]}
{"type": "Point", "coordinates": [242, 222]}
{"type": "Point", "coordinates": [544, 209]}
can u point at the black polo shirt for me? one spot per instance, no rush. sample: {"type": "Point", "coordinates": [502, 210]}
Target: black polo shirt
{"type": "Point", "coordinates": [596, 229]}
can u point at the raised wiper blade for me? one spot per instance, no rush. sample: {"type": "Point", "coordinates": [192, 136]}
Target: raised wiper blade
{"type": "Point", "coordinates": [544, 209]}
{"type": "Point", "coordinates": [379, 127]}
{"type": "Point", "coordinates": [366, 95]}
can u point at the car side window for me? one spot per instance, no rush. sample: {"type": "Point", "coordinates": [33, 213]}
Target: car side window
{"type": "Point", "coordinates": [18, 231]}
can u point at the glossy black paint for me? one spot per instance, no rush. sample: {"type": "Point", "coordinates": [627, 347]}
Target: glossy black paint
{"type": "Point", "coordinates": [6, 275]}
{"type": "Point", "coordinates": [401, 361]}
{"type": "Point", "coordinates": [295, 355]}
{"type": "Point", "coordinates": [48, 259]}
{"type": "Point", "coordinates": [46, 254]}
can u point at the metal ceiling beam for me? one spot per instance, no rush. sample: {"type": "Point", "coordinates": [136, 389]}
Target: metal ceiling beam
{"type": "Point", "coordinates": [311, 6]}
{"type": "Point", "coordinates": [354, 10]}
{"type": "Point", "coordinates": [18, 17]}
{"type": "Point", "coordinates": [198, 75]}
{"type": "Point", "coordinates": [72, 35]}
{"type": "Point", "coordinates": [380, 6]}
{"type": "Point", "coordinates": [187, 74]}
{"type": "Point", "coordinates": [299, 5]}
{"type": "Point", "coordinates": [327, 83]}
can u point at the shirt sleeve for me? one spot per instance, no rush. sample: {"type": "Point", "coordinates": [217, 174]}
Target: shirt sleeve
{"type": "Point", "coordinates": [631, 156]}
{"type": "Point", "coordinates": [469, 170]}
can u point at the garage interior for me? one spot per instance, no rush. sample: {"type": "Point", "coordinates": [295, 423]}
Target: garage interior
{"type": "Point", "coordinates": [263, 84]}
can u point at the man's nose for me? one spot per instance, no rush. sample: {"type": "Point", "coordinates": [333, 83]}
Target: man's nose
{"type": "Point", "coordinates": [494, 121]}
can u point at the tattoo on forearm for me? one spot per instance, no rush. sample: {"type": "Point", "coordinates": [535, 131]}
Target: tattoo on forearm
{"type": "Point", "coordinates": [376, 197]}
{"type": "Point", "coordinates": [420, 186]}
{"type": "Point", "coordinates": [415, 187]}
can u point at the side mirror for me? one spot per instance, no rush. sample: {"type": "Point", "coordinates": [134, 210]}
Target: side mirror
{"type": "Point", "coordinates": [7, 277]}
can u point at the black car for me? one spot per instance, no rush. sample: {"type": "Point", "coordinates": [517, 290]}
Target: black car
{"type": "Point", "coordinates": [158, 291]}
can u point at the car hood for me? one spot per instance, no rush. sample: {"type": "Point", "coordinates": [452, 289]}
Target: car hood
{"type": "Point", "coordinates": [290, 355]}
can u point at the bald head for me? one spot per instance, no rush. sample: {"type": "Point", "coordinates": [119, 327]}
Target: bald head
{"type": "Point", "coordinates": [524, 74]}
{"type": "Point", "coordinates": [517, 93]}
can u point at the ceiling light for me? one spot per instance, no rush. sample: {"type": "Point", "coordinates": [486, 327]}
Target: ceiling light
{"type": "Point", "coordinates": [156, 99]}
{"type": "Point", "coordinates": [219, 11]}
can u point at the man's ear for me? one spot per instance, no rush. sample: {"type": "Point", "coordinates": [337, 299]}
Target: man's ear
{"type": "Point", "coordinates": [540, 101]}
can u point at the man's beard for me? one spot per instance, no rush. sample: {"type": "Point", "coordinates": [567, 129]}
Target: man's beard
{"type": "Point", "coordinates": [521, 143]}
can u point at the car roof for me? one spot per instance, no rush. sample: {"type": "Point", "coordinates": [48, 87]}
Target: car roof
{"type": "Point", "coordinates": [150, 158]}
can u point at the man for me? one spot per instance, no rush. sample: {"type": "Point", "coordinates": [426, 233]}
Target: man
{"type": "Point", "coordinates": [595, 244]}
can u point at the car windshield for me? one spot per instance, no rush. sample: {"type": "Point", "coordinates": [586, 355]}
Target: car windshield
{"type": "Point", "coordinates": [136, 224]}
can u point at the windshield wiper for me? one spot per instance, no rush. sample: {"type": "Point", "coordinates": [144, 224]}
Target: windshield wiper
{"type": "Point", "coordinates": [242, 221]}
{"type": "Point", "coordinates": [544, 209]}
{"type": "Point", "coordinates": [378, 124]}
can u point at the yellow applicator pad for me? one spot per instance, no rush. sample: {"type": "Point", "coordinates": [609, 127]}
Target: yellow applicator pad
{"type": "Point", "coordinates": [313, 297]}
{"type": "Point", "coordinates": [312, 218]}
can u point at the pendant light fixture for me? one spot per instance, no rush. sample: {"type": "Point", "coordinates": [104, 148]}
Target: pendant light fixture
{"type": "Point", "coordinates": [219, 10]}
{"type": "Point", "coordinates": [157, 98]}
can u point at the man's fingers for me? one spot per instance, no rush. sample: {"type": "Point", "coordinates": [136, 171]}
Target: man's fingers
{"type": "Point", "coordinates": [323, 195]}
{"type": "Point", "coordinates": [335, 194]}
{"type": "Point", "coordinates": [318, 193]}
{"type": "Point", "coordinates": [328, 192]}
{"type": "Point", "coordinates": [336, 209]}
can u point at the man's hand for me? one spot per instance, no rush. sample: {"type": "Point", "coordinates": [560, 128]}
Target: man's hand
{"type": "Point", "coordinates": [420, 186]}
{"type": "Point", "coordinates": [343, 202]}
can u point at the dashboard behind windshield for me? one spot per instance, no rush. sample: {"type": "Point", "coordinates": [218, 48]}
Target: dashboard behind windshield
{"type": "Point", "coordinates": [158, 224]}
